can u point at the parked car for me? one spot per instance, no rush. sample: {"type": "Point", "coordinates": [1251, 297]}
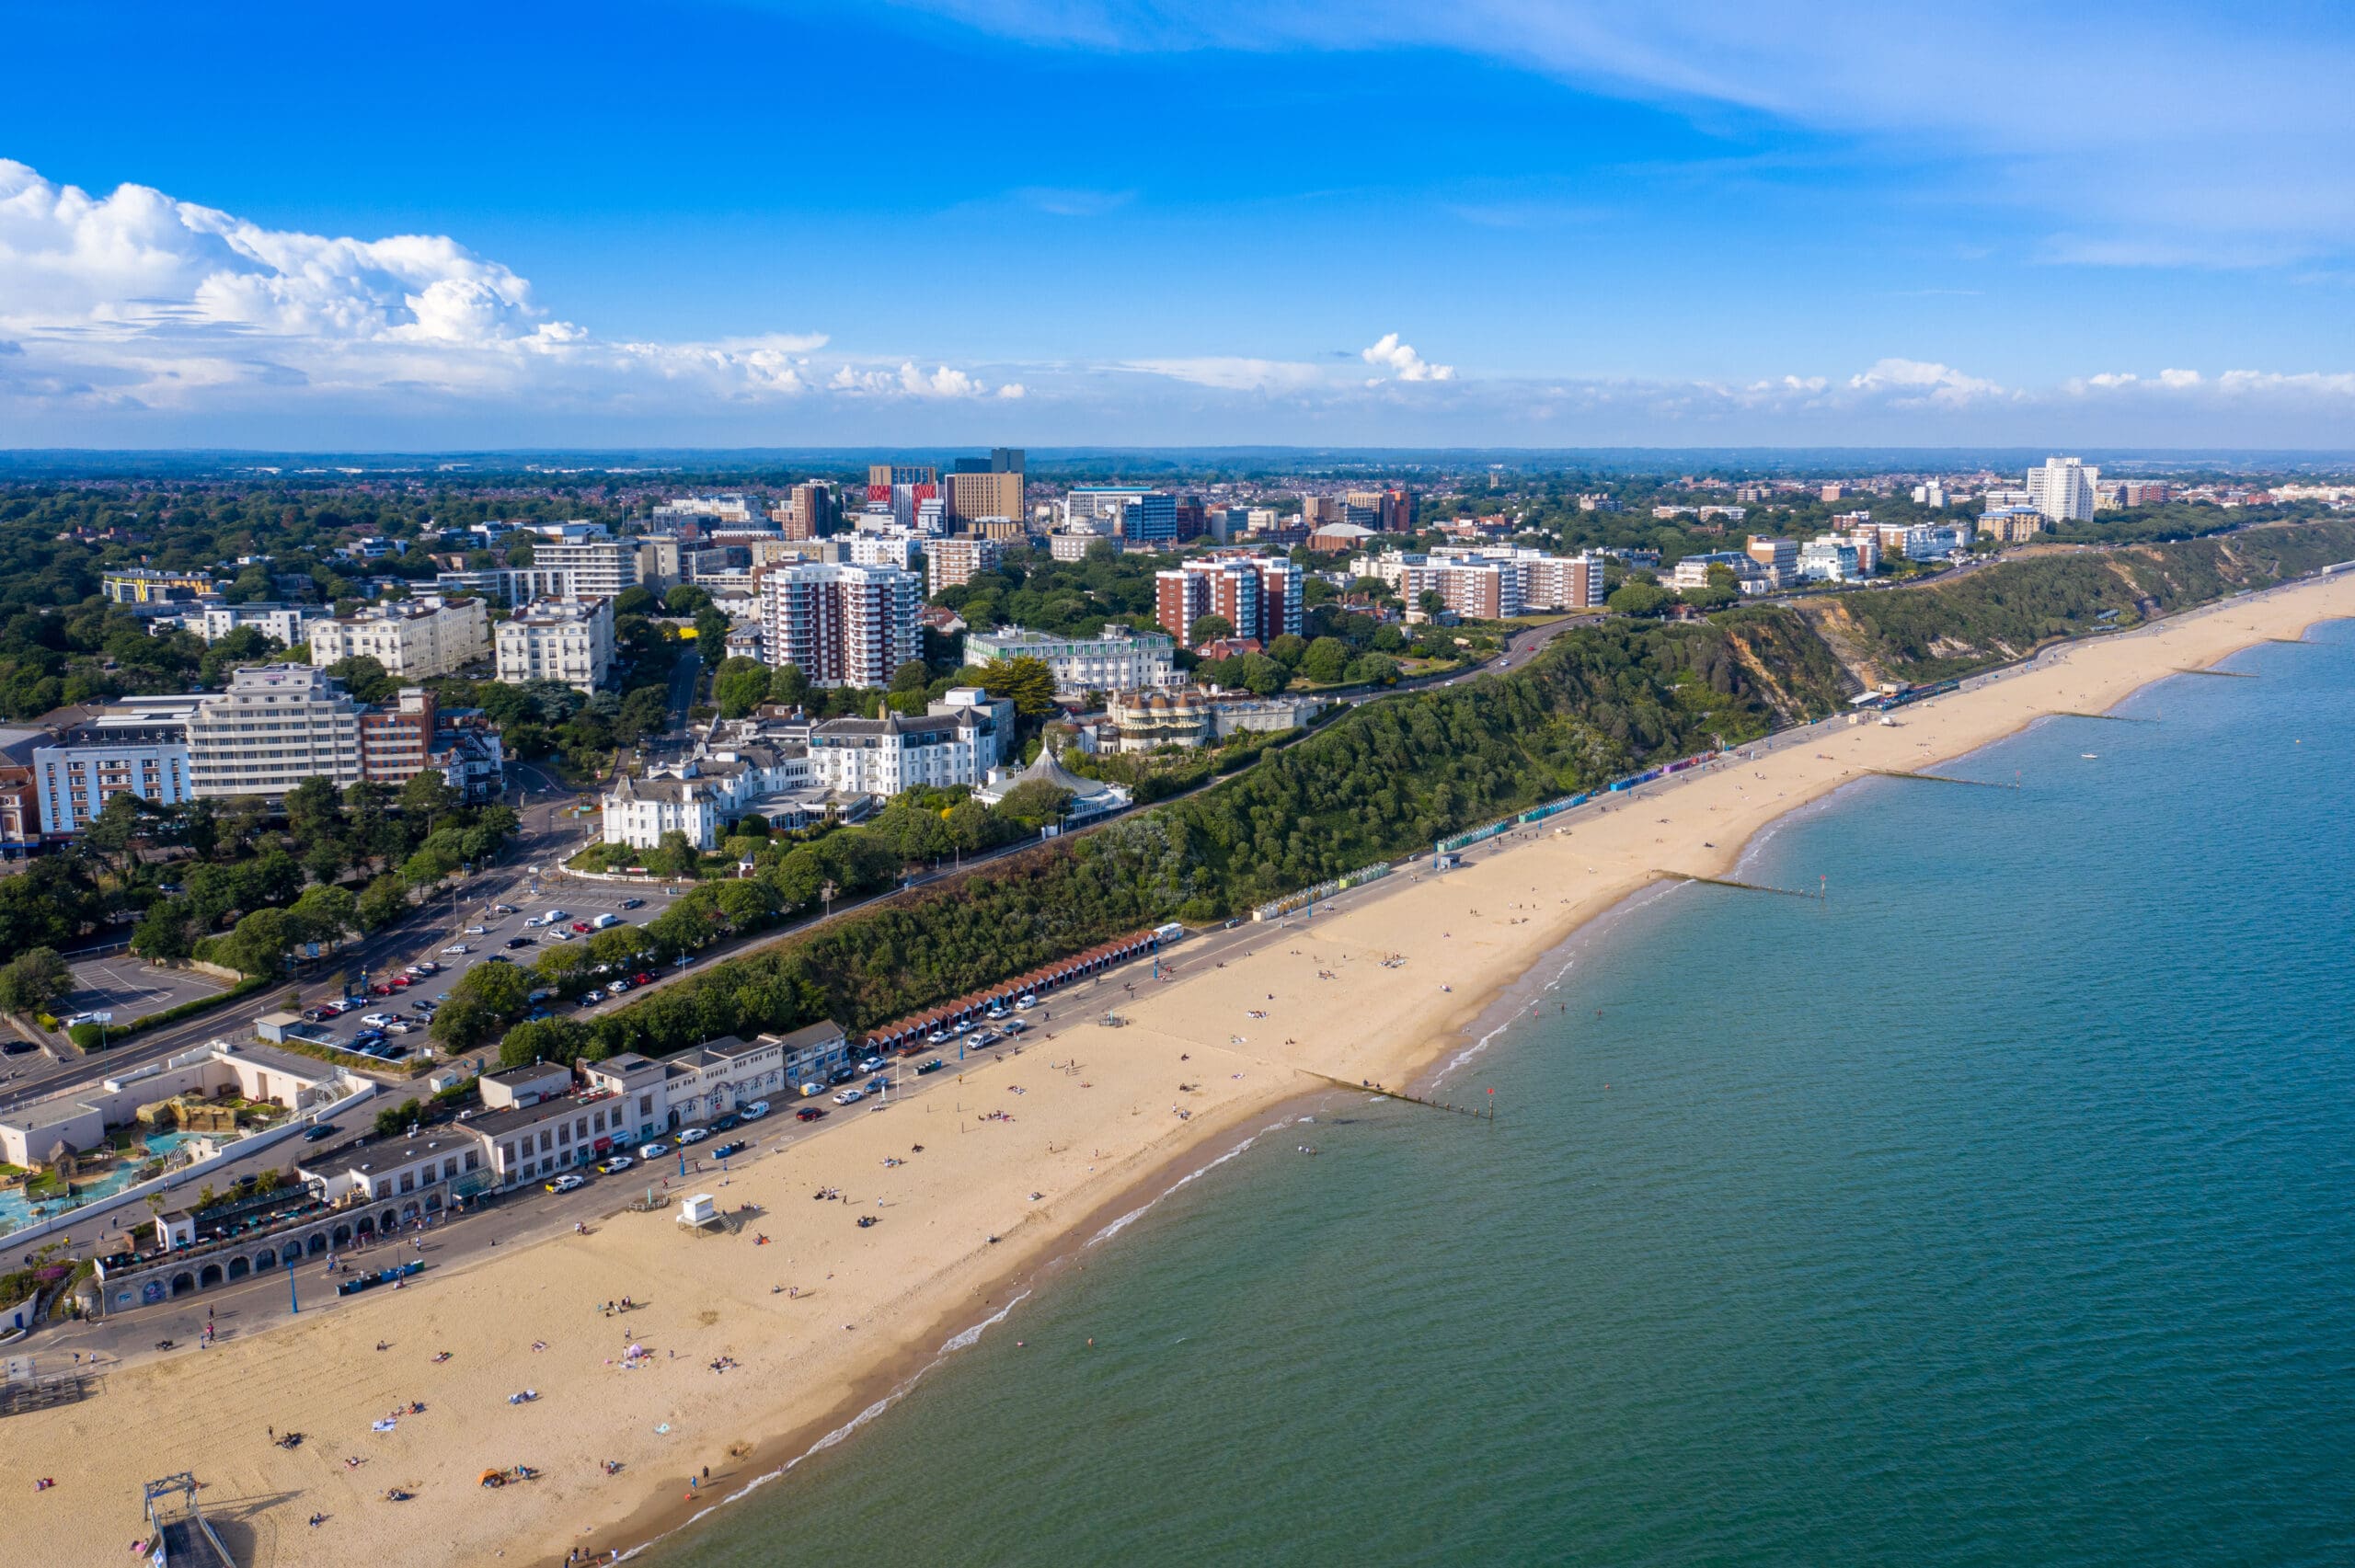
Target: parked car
{"type": "Point", "coordinates": [652, 1150]}
{"type": "Point", "coordinates": [641, 979]}
{"type": "Point", "coordinates": [693, 1135]}
{"type": "Point", "coordinates": [316, 1015]}
{"type": "Point", "coordinates": [583, 927]}
{"type": "Point", "coordinates": [522, 942]}
{"type": "Point", "coordinates": [809, 1112]}
{"type": "Point", "coordinates": [591, 998]}
{"type": "Point", "coordinates": [1026, 1001]}
{"type": "Point", "coordinates": [633, 903]}
{"type": "Point", "coordinates": [606, 922]}
{"type": "Point", "coordinates": [723, 1124]}
{"type": "Point", "coordinates": [620, 986]}
{"type": "Point", "coordinates": [477, 931]}
{"type": "Point", "coordinates": [552, 916]}
{"type": "Point", "coordinates": [502, 908]}
{"type": "Point", "coordinates": [567, 1183]}
{"type": "Point", "coordinates": [559, 935]}
{"type": "Point", "coordinates": [617, 1163]}
{"type": "Point", "coordinates": [497, 959]}
{"type": "Point", "coordinates": [811, 1091]}
{"type": "Point", "coordinates": [841, 1075]}
{"type": "Point", "coordinates": [423, 967]}
{"type": "Point", "coordinates": [380, 989]}
{"type": "Point", "coordinates": [872, 1064]}
{"type": "Point", "coordinates": [938, 1038]}
{"type": "Point", "coordinates": [325, 1130]}
{"type": "Point", "coordinates": [375, 1020]}
{"type": "Point", "coordinates": [1016, 1025]}
{"type": "Point", "coordinates": [456, 950]}
{"type": "Point", "coordinates": [935, 1065]}
{"type": "Point", "coordinates": [755, 1111]}
{"type": "Point", "coordinates": [850, 1096]}
{"type": "Point", "coordinates": [986, 1038]}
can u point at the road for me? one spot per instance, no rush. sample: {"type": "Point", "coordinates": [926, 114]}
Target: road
{"type": "Point", "coordinates": [684, 676]}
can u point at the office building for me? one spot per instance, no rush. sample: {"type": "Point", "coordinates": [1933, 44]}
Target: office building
{"type": "Point", "coordinates": [1390, 511]}
{"type": "Point", "coordinates": [883, 475]}
{"type": "Point", "coordinates": [841, 626]}
{"type": "Point", "coordinates": [276, 725]}
{"type": "Point", "coordinates": [954, 560]}
{"type": "Point", "coordinates": [1116, 659]}
{"type": "Point", "coordinates": [412, 639]}
{"type": "Point", "coordinates": [2062, 489]}
{"type": "Point", "coordinates": [566, 640]}
{"type": "Point", "coordinates": [507, 586]}
{"type": "Point", "coordinates": [973, 494]}
{"type": "Point", "coordinates": [1780, 557]}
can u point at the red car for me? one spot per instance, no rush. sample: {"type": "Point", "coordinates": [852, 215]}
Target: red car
{"type": "Point", "coordinates": [400, 982]}
{"type": "Point", "coordinates": [583, 927]}
{"type": "Point", "coordinates": [380, 989]}
{"type": "Point", "coordinates": [641, 979]}
{"type": "Point", "coordinates": [808, 1114]}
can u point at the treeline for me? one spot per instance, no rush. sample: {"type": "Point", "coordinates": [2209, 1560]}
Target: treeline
{"type": "Point", "coordinates": [1384, 780]}
{"type": "Point", "coordinates": [2004, 612]}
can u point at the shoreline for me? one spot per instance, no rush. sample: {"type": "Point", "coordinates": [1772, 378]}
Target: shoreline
{"type": "Point", "coordinates": [928, 1264]}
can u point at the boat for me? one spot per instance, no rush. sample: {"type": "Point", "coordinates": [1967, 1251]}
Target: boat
{"type": "Point", "coordinates": [2090, 756]}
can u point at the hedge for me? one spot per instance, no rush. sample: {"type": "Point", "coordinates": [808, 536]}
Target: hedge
{"type": "Point", "coordinates": [86, 1036]}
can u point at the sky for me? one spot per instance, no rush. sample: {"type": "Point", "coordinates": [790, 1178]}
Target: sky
{"type": "Point", "coordinates": [1486, 222]}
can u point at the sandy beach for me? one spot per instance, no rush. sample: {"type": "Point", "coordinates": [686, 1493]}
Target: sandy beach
{"type": "Point", "coordinates": [1019, 1156]}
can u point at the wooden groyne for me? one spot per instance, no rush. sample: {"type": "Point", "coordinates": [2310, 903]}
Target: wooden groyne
{"type": "Point", "coordinates": [1745, 887]}
{"type": "Point", "coordinates": [1942, 778]}
{"type": "Point", "coordinates": [2113, 718]}
{"type": "Point", "coordinates": [1478, 1114]}
{"type": "Point", "coordinates": [2219, 674]}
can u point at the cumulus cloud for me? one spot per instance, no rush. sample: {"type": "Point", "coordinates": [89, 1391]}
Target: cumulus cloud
{"type": "Point", "coordinates": [1922, 381]}
{"type": "Point", "coordinates": [1402, 362]}
{"type": "Point", "coordinates": [138, 301]}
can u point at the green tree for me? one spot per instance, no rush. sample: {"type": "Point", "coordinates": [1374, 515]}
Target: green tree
{"type": "Point", "coordinates": [686, 599]}
{"type": "Point", "coordinates": [1028, 682]}
{"type": "Point", "coordinates": [1637, 599]}
{"type": "Point", "coordinates": [788, 685]}
{"type": "Point", "coordinates": [675, 856]}
{"type": "Point", "coordinates": [427, 797]}
{"type": "Point", "coordinates": [1327, 661]}
{"type": "Point", "coordinates": [646, 711]}
{"type": "Point", "coordinates": [742, 685]}
{"type": "Point", "coordinates": [1290, 649]}
{"type": "Point", "coordinates": [383, 901]}
{"type": "Point", "coordinates": [1207, 629]}
{"type": "Point", "coordinates": [30, 982]}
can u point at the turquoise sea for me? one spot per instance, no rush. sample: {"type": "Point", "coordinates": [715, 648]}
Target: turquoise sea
{"type": "Point", "coordinates": [1998, 1210]}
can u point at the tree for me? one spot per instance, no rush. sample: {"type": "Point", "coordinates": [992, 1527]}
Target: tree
{"type": "Point", "coordinates": [383, 901]}
{"type": "Point", "coordinates": [1327, 661]}
{"type": "Point", "coordinates": [788, 685]}
{"type": "Point", "coordinates": [427, 797]}
{"type": "Point", "coordinates": [911, 676]}
{"type": "Point", "coordinates": [1034, 803]}
{"type": "Point", "coordinates": [634, 602]}
{"type": "Point", "coordinates": [1028, 682]}
{"type": "Point", "coordinates": [30, 982]}
{"type": "Point", "coordinates": [1637, 599]}
{"type": "Point", "coordinates": [646, 711]}
{"type": "Point", "coordinates": [712, 626]}
{"type": "Point", "coordinates": [259, 943]}
{"type": "Point", "coordinates": [1430, 601]}
{"type": "Point", "coordinates": [395, 1119]}
{"type": "Point", "coordinates": [162, 936]}
{"type": "Point", "coordinates": [685, 599]}
{"type": "Point", "coordinates": [675, 856]}
{"type": "Point", "coordinates": [1207, 629]}
{"type": "Point", "coordinates": [1290, 649]}
{"type": "Point", "coordinates": [742, 685]}
{"type": "Point", "coordinates": [1264, 676]}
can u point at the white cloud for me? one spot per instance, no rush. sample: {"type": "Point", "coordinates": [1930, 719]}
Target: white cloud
{"type": "Point", "coordinates": [1402, 362]}
{"type": "Point", "coordinates": [1921, 381]}
{"type": "Point", "coordinates": [1232, 372]}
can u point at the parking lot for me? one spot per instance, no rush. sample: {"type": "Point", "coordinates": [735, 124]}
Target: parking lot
{"type": "Point", "coordinates": [484, 932]}
{"type": "Point", "coordinates": [130, 989]}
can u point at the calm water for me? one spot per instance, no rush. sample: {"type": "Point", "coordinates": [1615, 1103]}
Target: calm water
{"type": "Point", "coordinates": [1999, 1211]}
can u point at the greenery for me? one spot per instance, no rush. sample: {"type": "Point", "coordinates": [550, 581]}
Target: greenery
{"type": "Point", "coordinates": [30, 982]}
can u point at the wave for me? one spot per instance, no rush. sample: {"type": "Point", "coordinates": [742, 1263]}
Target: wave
{"type": "Point", "coordinates": [1132, 1216]}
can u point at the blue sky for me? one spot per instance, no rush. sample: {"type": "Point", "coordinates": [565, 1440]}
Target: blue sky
{"type": "Point", "coordinates": [1493, 221]}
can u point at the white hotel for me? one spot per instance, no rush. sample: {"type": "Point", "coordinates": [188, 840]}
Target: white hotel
{"type": "Point", "coordinates": [571, 641]}
{"type": "Point", "coordinates": [1115, 659]}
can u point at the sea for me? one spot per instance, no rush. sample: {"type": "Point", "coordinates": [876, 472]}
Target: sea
{"type": "Point", "coordinates": [1995, 1208]}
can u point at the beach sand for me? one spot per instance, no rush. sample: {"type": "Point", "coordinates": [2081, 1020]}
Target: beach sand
{"type": "Point", "coordinates": [876, 1303]}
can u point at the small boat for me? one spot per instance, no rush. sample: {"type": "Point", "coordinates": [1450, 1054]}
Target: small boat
{"type": "Point", "coordinates": [2090, 756]}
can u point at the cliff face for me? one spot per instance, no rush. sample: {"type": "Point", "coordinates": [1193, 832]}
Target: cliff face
{"type": "Point", "coordinates": [2003, 613]}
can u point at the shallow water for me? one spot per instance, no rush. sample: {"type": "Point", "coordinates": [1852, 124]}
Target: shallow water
{"type": "Point", "coordinates": [1998, 1209]}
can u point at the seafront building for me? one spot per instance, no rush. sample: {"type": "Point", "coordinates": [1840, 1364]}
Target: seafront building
{"type": "Point", "coordinates": [2062, 489]}
{"type": "Point", "coordinates": [290, 623]}
{"type": "Point", "coordinates": [840, 625]}
{"type": "Point", "coordinates": [1115, 659]}
{"type": "Point", "coordinates": [276, 725]}
{"type": "Point", "coordinates": [1488, 581]}
{"type": "Point", "coordinates": [1259, 597]}
{"type": "Point", "coordinates": [957, 741]}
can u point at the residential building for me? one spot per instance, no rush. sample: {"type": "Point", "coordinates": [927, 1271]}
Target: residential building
{"type": "Point", "coordinates": [1481, 580]}
{"type": "Point", "coordinates": [276, 725]}
{"type": "Point", "coordinates": [138, 584]}
{"type": "Point", "coordinates": [1393, 510]}
{"type": "Point", "coordinates": [509, 586]}
{"type": "Point", "coordinates": [1190, 716]}
{"type": "Point", "coordinates": [1933, 494]}
{"type": "Point", "coordinates": [289, 624]}
{"type": "Point", "coordinates": [2011, 525]}
{"type": "Point", "coordinates": [2062, 489]}
{"type": "Point", "coordinates": [1780, 557]}
{"type": "Point", "coordinates": [2146, 493]}
{"type": "Point", "coordinates": [1257, 596]}
{"type": "Point", "coordinates": [896, 547]}
{"type": "Point", "coordinates": [958, 559]}
{"type": "Point", "coordinates": [567, 640]}
{"type": "Point", "coordinates": [397, 743]}
{"type": "Point", "coordinates": [840, 625]}
{"type": "Point", "coordinates": [606, 568]}
{"type": "Point", "coordinates": [1316, 511]}
{"type": "Point", "coordinates": [1693, 571]}
{"type": "Point", "coordinates": [695, 509]}
{"type": "Point", "coordinates": [137, 751]}
{"type": "Point", "coordinates": [412, 639]}
{"type": "Point", "coordinates": [1115, 659]}
{"type": "Point", "coordinates": [809, 511]}
{"type": "Point", "coordinates": [957, 741]}
{"type": "Point", "coordinates": [883, 475]}
{"type": "Point", "coordinates": [1828, 560]}
{"type": "Point", "coordinates": [640, 812]}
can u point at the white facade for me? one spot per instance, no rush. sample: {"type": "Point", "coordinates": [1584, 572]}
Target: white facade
{"type": "Point", "coordinates": [412, 639]}
{"type": "Point", "coordinates": [957, 743]}
{"type": "Point", "coordinates": [605, 568]}
{"type": "Point", "coordinates": [558, 640]}
{"type": "Point", "coordinates": [276, 725]}
{"type": "Point", "coordinates": [2062, 489]}
{"type": "Point", "coordinates": [639, 811]}
{"type": "Point", "coordinates": [1115, 659]}
{"type": "Point", "coordinates": [289, 624]}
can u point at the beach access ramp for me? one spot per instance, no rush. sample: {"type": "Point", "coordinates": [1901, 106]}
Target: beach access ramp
{"type": "Point", "coordinates": [181, 1537]}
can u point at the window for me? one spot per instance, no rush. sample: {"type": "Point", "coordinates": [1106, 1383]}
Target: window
{"type": "Point", "coordinates": [408, 1183]}
{"type": "Point", "coordinates": [564, 1135]}
{"type": "Point", "coordinates": [473, 1159]}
